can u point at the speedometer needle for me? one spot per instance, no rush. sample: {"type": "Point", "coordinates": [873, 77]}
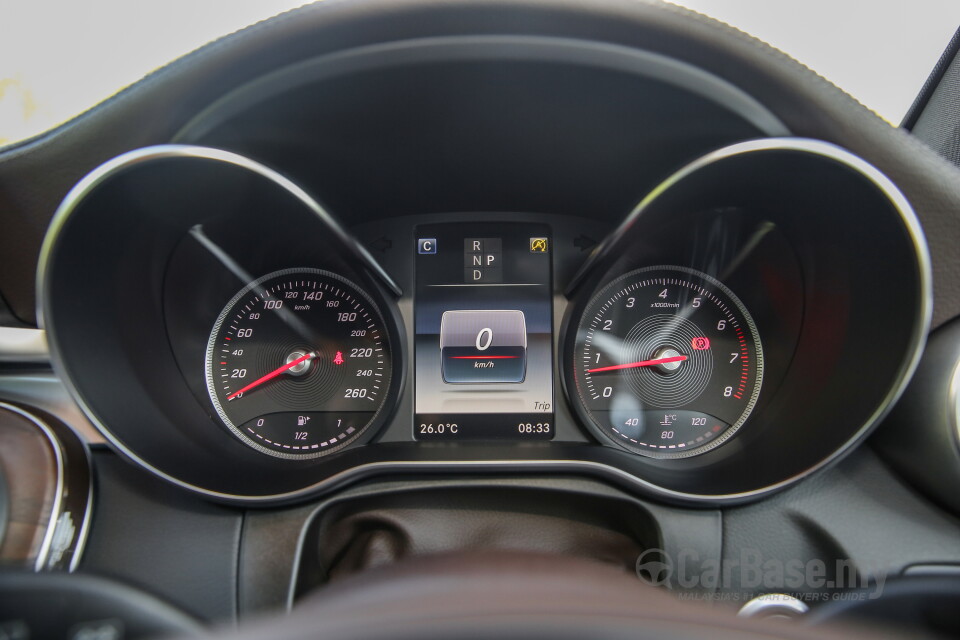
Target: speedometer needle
{"type": "Point", "coordinates": [642, 363]}
{"type": "Point", "coordinates": [273, 374]}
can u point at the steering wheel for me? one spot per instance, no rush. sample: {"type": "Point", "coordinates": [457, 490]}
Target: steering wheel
{"type": "Point", "coordinates": [524, 596]}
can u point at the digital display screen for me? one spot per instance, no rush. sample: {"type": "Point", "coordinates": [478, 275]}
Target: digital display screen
{"type": "Point", "coordinates": [484, 325]}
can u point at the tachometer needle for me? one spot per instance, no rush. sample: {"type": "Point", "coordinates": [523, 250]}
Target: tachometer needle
{"type": "Point", "coordinates": [642, 363]}
{"type": "Point", "coordinates": [272, 374]}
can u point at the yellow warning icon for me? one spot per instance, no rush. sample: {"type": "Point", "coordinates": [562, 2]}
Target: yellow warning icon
{"type": "Point", "coordinates": [538, 245]}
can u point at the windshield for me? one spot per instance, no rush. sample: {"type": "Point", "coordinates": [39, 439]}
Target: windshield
{"type": "Point", "coordinates": [52, 70]}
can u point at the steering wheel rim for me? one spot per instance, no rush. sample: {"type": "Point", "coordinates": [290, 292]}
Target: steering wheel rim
{"type": "Point", "coordinates": [493, 595]}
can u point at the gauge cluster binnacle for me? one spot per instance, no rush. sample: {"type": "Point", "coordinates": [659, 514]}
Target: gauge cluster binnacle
{"type": "Point", "coordinates": [713, 347]}
{"type": "Point", "coordinates": [727, 339]}
{"type": "Point", "coordinates": [195, 265]}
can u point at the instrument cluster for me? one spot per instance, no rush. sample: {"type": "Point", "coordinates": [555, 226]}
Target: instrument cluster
{"type": "Point", "coordinates": [714, 345]}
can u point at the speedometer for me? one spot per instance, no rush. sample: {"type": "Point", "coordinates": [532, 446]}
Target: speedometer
{"type": "Point", "coordinates": [298, 364]}
{"type": "Point", "coordinates": [667, 362]}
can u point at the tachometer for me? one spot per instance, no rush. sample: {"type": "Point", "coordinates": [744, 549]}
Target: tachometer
{"type": "Point", "coordinates": [667, 362]}
{"type": "Point", "coordinates": [298, 363]}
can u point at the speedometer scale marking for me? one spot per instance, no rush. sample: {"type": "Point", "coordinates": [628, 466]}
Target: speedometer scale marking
{"type": "Point", "coordinates": [302, 365]}
{"type": "Point", "coordinates": [669, 362]}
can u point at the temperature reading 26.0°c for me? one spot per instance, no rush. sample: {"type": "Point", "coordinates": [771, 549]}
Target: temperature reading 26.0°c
{"type": "Point", "coordinates": [667, 362]}
{"type": "Point", "coordinates": [298, 363]}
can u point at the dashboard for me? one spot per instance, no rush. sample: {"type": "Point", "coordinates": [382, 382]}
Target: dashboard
{"type": "Point", "coordinates": [356, 286]}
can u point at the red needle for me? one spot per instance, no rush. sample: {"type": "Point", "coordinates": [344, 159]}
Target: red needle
{"type": "Point", "coordinates": [273, 374]}
{"type": "Point", "coordinates": [644, 363]}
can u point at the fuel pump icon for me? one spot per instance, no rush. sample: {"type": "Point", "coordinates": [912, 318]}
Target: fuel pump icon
{"type": "Point", "coordinates": [483, 347]}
